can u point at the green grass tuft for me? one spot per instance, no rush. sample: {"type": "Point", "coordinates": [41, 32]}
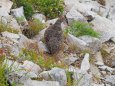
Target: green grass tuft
{"type": "Point", "coordinates": [34, 27]}
{"type": "Point", "coordinates": [28, 8]}
{"type": "Point", "coordinates": [69, 78]}
{"type": "Point", "coordinates": [3, 80]}
{"type": "Point", "coordinates": [4, 27]}
{"type": "Point", "coordinates": [78, 28]}
{"type": "Point", "coordinates": [41, 59]}
{"type": "Point", "coordinates": [50, 8]}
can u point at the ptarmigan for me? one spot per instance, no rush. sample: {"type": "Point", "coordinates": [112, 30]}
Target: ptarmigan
{"type": "Point", "coordinates": [54, 36]}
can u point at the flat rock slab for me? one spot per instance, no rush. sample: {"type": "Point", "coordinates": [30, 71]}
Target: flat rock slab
{"type": "Point", "coordinates": [5, 6]}
{"type": "Point", "coordinates": [41, 83]}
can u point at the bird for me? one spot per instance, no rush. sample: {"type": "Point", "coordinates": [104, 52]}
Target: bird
{"type": "Point", "coordinates": [102, 2]}
{"type": "Point", "coordinates": [53, 36]}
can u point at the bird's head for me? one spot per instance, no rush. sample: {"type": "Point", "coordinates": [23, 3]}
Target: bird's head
{"type": "Point", "coordinates": [61, 19]}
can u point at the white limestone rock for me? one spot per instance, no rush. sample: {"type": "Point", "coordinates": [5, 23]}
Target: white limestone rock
{"type": "Point", "coordinates": [110, 80]}
{"type": "Point", "coordinates": [70, 59]}
{"type": "Point", "coordinates": [106, 68]}
{"type": "Point", "coordinates": [18, 13]}
{"type": "Point", "coordinates": [73, 14]}
{"type": "Point", "coordinates": [11, 36]}
{"type": "Point", "coordinates": [97, 84]}
{"type": "Point", "coordinates": [28, 68]}
{"type": "Point", "coordinates": [76, 42]}
{"type": "Point", "coordinates": [83, 79]}
{"type": "Point", "coordinates": [69, 4]}
{"type": "Point", "coordinates": [99, 59]}
{"type": "Point", "coordinates": [85, 65]}
{"type": "Point", "coordinates": [41, 83]}
{"type": "Point", "coordinates": [55, 74]}
{"type": "Point", "coordinates": [31, 67]}
{"type": "Point", "coordinates": [94, 44]}
{"type": "Point", "coordinates": [40, 36]}
{"type": "Point", "coordinates": [40, 17]}
{"type": "Point", "coordinates": [105, 27]}
{"type": "Point", "coordinates": [5, 6]}
{"type": "Point", "coordinates": [30, 44]}
{"type": "Point", "coordinates": [42, 47]}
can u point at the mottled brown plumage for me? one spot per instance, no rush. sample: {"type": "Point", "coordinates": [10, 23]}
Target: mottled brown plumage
{"type": "Point", "coordinates": [102, 2]}
{"type": "Point", "coordinates": [54, 37]}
